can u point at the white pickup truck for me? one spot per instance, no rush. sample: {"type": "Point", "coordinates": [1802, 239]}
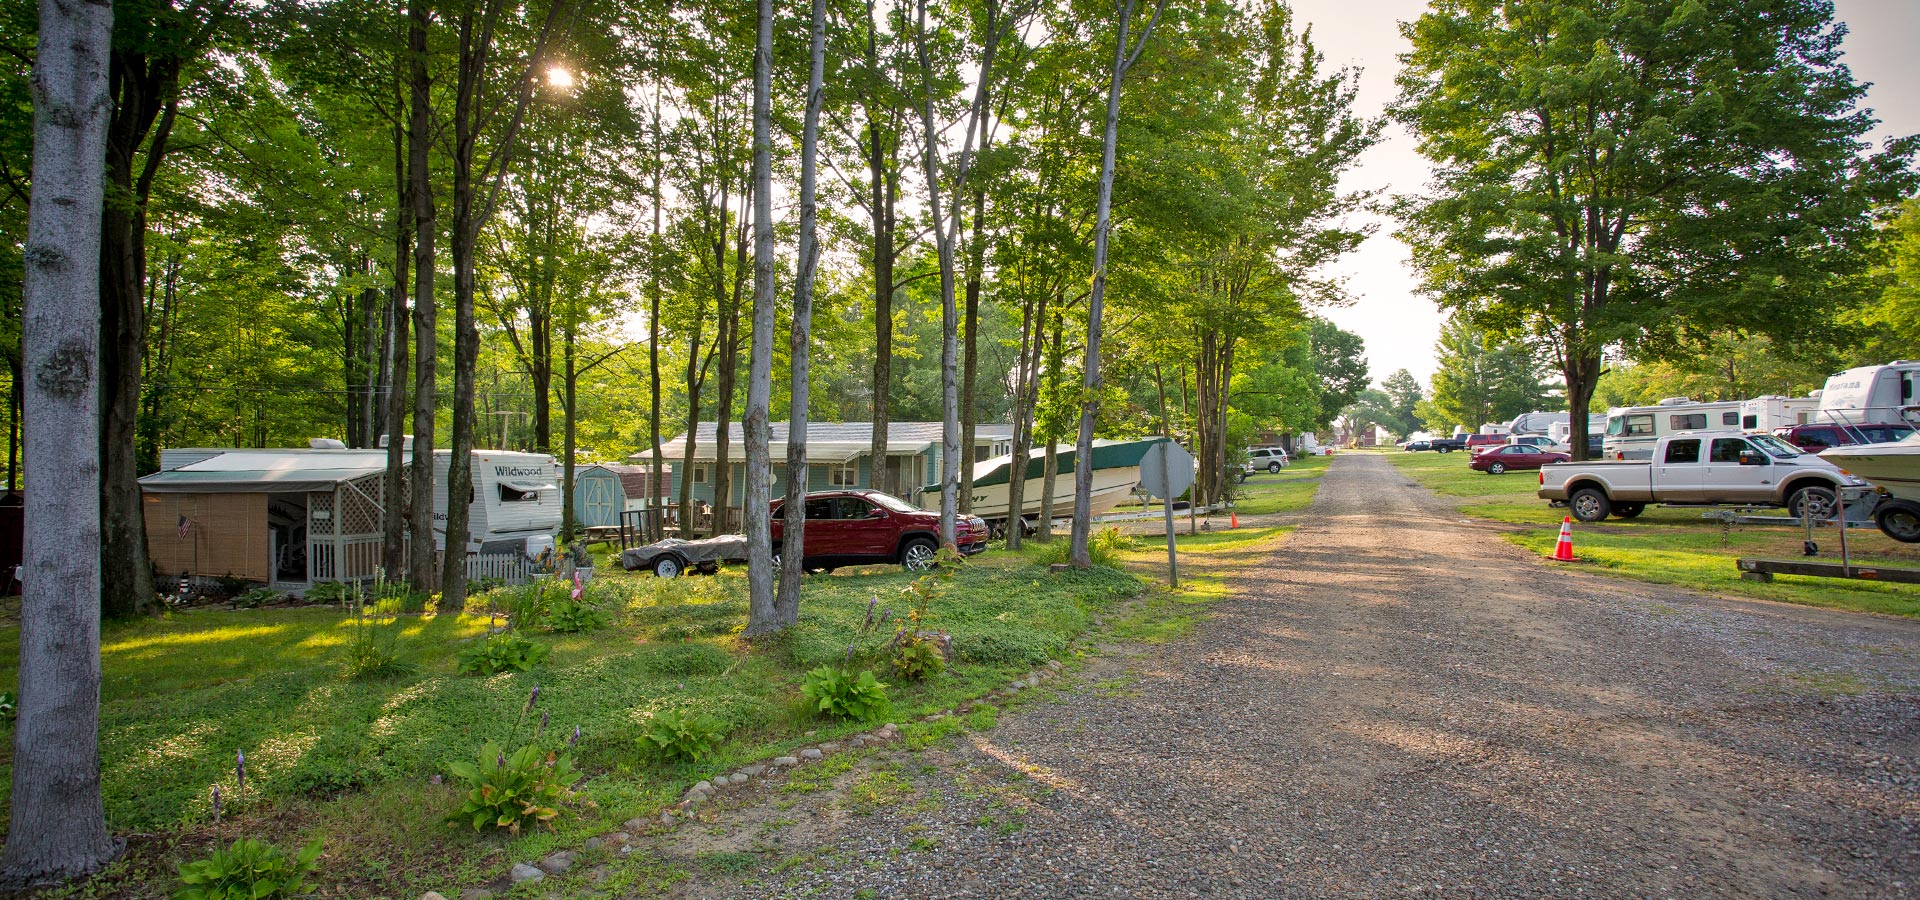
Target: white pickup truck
{"type": "Point", "coordinates": [1704, 468]}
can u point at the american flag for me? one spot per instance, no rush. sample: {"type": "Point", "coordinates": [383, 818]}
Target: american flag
{"type": "Point", "coordinates": [186, 526]}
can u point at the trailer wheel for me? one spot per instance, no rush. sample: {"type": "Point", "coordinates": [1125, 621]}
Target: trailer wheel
{"type": "Point", "coordinates": [1817, 500]}
{"type": "Point", "coordinates": [1590, 504]}
{"type": "Point", "coordinates": [1900, 520]}
{"type": "Point", "coordinates": [1629, 510]}
{"type": "Point", "coordinates": [668, 566]}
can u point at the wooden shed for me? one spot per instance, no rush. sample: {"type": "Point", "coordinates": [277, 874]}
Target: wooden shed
{"type": "Point", "coordinates": [601, 492]}
{"type": "Point", "coordinates": [288, 518]}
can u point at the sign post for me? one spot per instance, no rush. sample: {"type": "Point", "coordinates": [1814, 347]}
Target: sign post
{"type": "Point", "coordinates": [1166, 473]}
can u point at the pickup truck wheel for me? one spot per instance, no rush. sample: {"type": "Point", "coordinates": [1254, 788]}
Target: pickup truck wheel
{"type": "Point", "coordinates": [1498, 468]}
{"type": "Point", "coordinates": [1629, 510]}
{"type": "Point", "coordinates": [1589, 505]}
{"type": "Point", "coordinates": [1818, 501]}
{"type": "Point", "coordinates": [667, 566]}
{"type": "Point", "coordinates": [917, 555]}
{"type": "Point", "coordinates": [1900, 521]}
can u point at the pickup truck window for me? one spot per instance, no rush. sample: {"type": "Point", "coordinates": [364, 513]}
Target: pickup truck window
{"type": "Point", "coordinates": [1688, 422]}
{"type": "Point", "coordinates": [1778, 448]}
{"type": "Point", "coordinates": [1728, 450]}
{"type": "Point", "coordinates": [1687, 451]}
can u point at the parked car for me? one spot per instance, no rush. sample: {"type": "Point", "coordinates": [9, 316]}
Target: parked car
{"type": "Point", "coordinates": [1701, 468]}
{"type": "Point", "coordinates": [1413, 446]}
{"type": "Point", "coordinates": [1478, 442]}
{"type": "Point", "coordinates": [1511, 457]}
{"type": "Point", "coordinates": [1816, 437]}
{"type": "Point", "coordinates": [1447, 445]}
{"type": "Point", "coordinates": [1272, 459]}
{"type": "Point", "coordinates": [862, 527]}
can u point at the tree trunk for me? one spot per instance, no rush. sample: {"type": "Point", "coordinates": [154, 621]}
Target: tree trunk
{"type": "Point", "coordinates": [799, 339]}
{"type": "Point", "coordinates": [1051, 469]}
{"type": "Point", "coordinates": [656, 519]}
{"type": "Point", "coordinates": [1026, 390]}
{"type": "Point", "coordinates": [976, 262]}
{"type": "Point", "coordinates": [393, 543]}
{"type": "Point", "coordinates": [949, 315]}
{"type": "Point", "coordinates": [882, 191]}
{"type": "Point", "coordinates": [59, 829]}
{"type": "Point", "coordinates": [762, 617]}
{"type": "Point", "coordinates": [420, 570]}
{"type": "Point", "coordinates": [569, 379]}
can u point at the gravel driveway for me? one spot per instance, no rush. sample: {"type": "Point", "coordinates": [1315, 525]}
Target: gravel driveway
{"type": "Point", "coordinates": [1398, 704]}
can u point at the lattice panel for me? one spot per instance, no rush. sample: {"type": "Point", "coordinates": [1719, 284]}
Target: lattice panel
{"type": "Point", "coordinates": [319, 514]}
{"type": "Point", "coordinates": [359, 514]}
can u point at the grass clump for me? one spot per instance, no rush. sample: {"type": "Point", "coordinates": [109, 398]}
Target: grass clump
{"type": "Point", "coordinates": [503, 652]}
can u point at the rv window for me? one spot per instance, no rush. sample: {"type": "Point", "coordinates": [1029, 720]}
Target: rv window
{"type": "Point", "coordinates": [510, 494]}
{"type": "Point", "coordinates": [1729, 418]}
{"type": "Point", "coordinates": [1750, 422]}
{"type": "Point", "coordinates": [1683, 452]}
{"type": "Point", "coordinates": [1687, 422]}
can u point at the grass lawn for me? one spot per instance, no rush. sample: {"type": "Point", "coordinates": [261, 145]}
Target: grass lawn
{"type": "Point", "coordinates": [356, 761]}
{"type": "Point", "coordinates": [1672, 545]}
{"type": "Point", "coordinates": [1289, 490]}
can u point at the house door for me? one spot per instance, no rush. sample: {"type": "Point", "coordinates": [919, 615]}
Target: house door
{"type": "Point", "coordinates": [896, 482]}
{"type": "Point", "coordinates": [287, 530]}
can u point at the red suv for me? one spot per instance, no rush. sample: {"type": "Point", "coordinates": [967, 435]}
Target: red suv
{"type": "Point", "coordinates": [1818, 437]}
{"type": "Point", "coordinates": [858, 527]}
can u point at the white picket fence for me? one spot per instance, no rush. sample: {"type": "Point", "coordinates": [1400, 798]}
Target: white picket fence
{"type": "Point", "coordinates": [510, 568]}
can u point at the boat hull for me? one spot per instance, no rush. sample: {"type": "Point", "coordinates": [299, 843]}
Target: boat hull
{"type": "Point", "coordinates": [1111, 487]}
{"type": "Point", "coordinates": [1895, 467]}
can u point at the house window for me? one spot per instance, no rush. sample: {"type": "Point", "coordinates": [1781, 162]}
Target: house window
{"type": "Point", "coordinates": [699, 474]}
{"type": "Point", "coordinates": [847, 475]}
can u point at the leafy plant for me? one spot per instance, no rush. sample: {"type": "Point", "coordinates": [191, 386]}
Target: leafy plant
{"type": "Point", "coordinates": [503, 652]}
{"type": "Point", "coordinates": [332, 592]}
{"type": "Point", "coordinates": [917, 656]}
{"type": "Point", "coordinates": [508, 791]}
{"type": "Point", "coordinates": [675, 734]}
{"type": "Point", "coordinates": [570, 616]}
{"type": "Point", "coordinates": [1103, 548]}
{"type": "Point", "coordinates": [838, 691]}
{"type": "Point", "coordinates": [257, 597]}
{"type": "Point", "coordinates": [7, 706]}
{"type": "Point", "coordinates": [248, 869]}
{"type": "Point", "coordinates": [372, 649]}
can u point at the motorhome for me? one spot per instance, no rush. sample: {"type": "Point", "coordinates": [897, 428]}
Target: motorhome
{"type": "Point", "coordinates": [1774, 411]}
{"type": "Point", "coordinates": [1632, 431]}
{"type": "Point", "coordinates": [1871, 395]}
{"type": "Point", "coordinates": [1562, 432]}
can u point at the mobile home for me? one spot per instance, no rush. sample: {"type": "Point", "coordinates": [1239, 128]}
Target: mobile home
{"type": "Point", "coordinates": [1632, 431]}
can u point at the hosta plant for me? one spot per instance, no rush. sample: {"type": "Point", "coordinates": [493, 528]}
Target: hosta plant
{"type": "Point", "coordinates": [503, 652]}
{"type": "Point", "coordinates": [839, 691]}
{"type": "Point", "coordinates": [249, 869]}
{"type": "Point", "coordinates": [512, 791]}
{"type": "Point", "coordinates": [675, 734]}
{"type": "Point", "coordinates": [569, 616]}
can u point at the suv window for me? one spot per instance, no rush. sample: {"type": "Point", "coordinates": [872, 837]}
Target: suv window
{"type": "Point", "coordinates": [1728, 450]}
{"type": "Point", "coordinates": [1820, 437]}
{"type": "Point", "coordinates": [820, 508]}
{"type": "Point", "coordinates": [850, 507]}
{"type": "Point", "coordinates": [1687, 451]}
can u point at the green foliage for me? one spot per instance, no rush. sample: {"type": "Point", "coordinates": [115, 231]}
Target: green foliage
{"type": "Point", "coordinates": [248, 869]}
{"type": "Point", "coordinates": [372, 648]}
{"type": "Point", "coordinates": [1482, 379]}
{"type": "Point", "coordinates": [503, 652]}
{"type": "Point", "coordinates": [526, 605]}
{"type": "Point", "coordinates": [7, 706]}
{"type": "Point", "coordinates": [1103, 547]}
{"type": "Point", "coordinates": [684, 660]}
{"type": "Point", "coordinates": [257, 598]}
{"type": "Point", "coordinates": [679, 735]}
{"type": "Point", "coordinates": [917, 656]}
{"type": "Point", "coordinates": [510, 792]}
{"type": "Point", "coordinates": [570, 616]}
{"type": "Point", "coordinates": [332, 592]}
{"type": "Point", "coordinates": [838, 691]}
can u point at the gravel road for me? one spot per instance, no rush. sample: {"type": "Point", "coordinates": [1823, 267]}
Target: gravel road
{"type": "Point", "coordinates": [1398, 704]}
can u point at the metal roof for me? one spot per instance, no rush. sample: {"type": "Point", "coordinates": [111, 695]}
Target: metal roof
{"type": "Point", "coordinates": [268, 471]}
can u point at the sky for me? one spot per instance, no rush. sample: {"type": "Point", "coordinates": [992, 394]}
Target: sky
{"type": "Point", "coordinates": [1398, 324]}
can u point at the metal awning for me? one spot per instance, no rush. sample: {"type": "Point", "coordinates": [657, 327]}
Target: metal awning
{"type": "Point", "coordinates": [528, 487]}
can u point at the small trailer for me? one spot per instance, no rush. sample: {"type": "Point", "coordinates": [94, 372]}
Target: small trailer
{"type": "Point", "coordinates": [674, 557]}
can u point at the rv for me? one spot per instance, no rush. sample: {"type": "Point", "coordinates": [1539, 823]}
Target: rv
{"type": "Point", "coordinates": [1632, 431]}
{"type": "Point", "coordinates": [1773, 411]}
{"type": "Point", "coordinates": [516, 502]}
{"type": "Point", "coordinates": [1562, 432]}
{"type": "Point", "coordinates": [1872, 395]}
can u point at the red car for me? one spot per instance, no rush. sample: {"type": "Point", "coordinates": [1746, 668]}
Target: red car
{"type": "Point", "coordinates": [860, 527]}
{"type": "Point", "coordinates": [1500, 460]}
{"type": "Point", "coordinates": [1481, 443]}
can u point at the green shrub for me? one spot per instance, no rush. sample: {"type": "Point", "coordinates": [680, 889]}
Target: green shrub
{"type": "Point", "coordinates": [570, 616]}
{"type": "Point", "coordinates": [332, 592]}
{"type": "Point", "coordinates": [503, 652]}
{"type": "Point", "coordinates": [837, 691]}
{"type": "Point", "coordinates": [372, 648]}
{"type": "Point", "coordinates": [7, 706]}
{"type": "Point", "coordinates": [917, 655]}
{"type": "Point", "coordinates": [256, 598]}
{"type": "Point", "coordinates": [509, 791]}
{"type": "Point", "coordinates": [1103, 547]}
{"type": "Point", "coordinates": [248, 870]}
{"type": "Point", "coordinates": [675, 734]}
{"type": "Point", "coordinates": [686, 660]}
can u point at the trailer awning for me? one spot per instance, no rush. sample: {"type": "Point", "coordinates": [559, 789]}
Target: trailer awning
{"type": "Point", "coordinates": [528, 487]}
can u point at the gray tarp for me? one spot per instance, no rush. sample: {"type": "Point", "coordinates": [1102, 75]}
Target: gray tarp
{"type": "Point", "coordinates": [719, 549]}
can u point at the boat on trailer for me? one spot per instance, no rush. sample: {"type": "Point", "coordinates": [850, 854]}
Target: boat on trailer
{"type": "Point", "coordinates": [1116, 472]}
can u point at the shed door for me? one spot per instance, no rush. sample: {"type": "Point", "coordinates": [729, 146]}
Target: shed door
{"type": "Point", "coordinates": [599, 501]}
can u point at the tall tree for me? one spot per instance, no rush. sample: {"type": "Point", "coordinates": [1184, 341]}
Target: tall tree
{"type": "Point", "coordinates": [762, 618]}
{"type": "Point", "coordinates": [1481, 379]}
{"type": "Point", "coordinates": [58, 827]}
{"type": "Point", "coordinates": [426, 333]}
{"type": "Point", "coordinates": [1627, 173]}
{"type": "Point", "coordinates": [800, 338]}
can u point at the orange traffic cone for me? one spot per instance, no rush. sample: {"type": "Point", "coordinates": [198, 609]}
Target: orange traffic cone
{"type": "Point", "coordinates": [1563, 551]}
{"type": "Point", "coordinates": [1234, 522]}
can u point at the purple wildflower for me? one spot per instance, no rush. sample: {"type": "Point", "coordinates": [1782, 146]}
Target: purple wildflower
{"type": "Point", "coordinates": [849, 654]}
{"type": "Point", "coordinates": [533, 697]}
{"type": "Point", "coordinates": [501, 762]}
{"type": "Point", "coordinates": [216, 803]}
{"type": "Point", "coordinates": [868, 623]}
{"type": "Point", "coordinates": [240, 771]}
{"type": "Point", "coordinates": [885, 615]}
{"type": "Point", "coordinates": [543, 724]}
{"type": "Point", "coordinates": [575, 739]}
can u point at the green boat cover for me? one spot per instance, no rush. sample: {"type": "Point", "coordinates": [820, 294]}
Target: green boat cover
{"type": "Point", "coordinates": [1107, 454]}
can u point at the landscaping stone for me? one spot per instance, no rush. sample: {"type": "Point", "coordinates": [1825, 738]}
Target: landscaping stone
{"type": "Point", "coordinates": [786, 761]}
{"type": "Point", "coordinates": [558, 863]}
{"type": "Point", "coordinates": [857, 743]}
{"type": "Point", "coordinates": [522, 873]}
{"type": "Point", "coordinates": [635, 824]}
{"type": "Point", "coordinates": [666, 818]}
{"type": "Point", "coordinates": [701, 788]}
{"type": "Point", "coordinates": [830, 747]}
{"type": "Point", "coordinates": [811, 753]}
{"type": "Point", "coordinates": [476, 894]}
{"type": "Point", "coordinates": [738, 778]}
{"type": "Point", "coordinates": [432, 895]}
{"type": "Point", "coordinates": [620, 837]}
{"type": "Point", "coordinates": [756, 770]}
{"type": "Point", "coordinates": [592, 844]}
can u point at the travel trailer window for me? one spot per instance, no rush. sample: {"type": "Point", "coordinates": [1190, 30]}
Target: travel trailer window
{"type": "Point", "coordinates": [511, 494]}
{"type": "Point", "coordinates": [1750, 422]}
{"type": "Point", "coordinates": [844, 476]}
{"type": "Point", "coordinates": [1730, 418]}
{"type": "Point", "coordinates": [1688, 422]}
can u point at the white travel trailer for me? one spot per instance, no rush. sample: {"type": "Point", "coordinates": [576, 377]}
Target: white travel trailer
{"type": "Point", "coordinates": [516, 501]}
{"type": "Point", "coordinates": [1537, 423]}
{"type": "Point", "coordinates": [1872, 395]}
{"type": "Point", "coordinates": [1632, 431]}
{"type": "Point", "coordinates": [1773, 411]}
{"type": "Point", "coordinates": [1562, 431]}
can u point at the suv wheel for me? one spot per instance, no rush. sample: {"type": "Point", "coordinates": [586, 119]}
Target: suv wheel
{"type": "Point", "coordinates": [1273, 468]}
{"type": "Point", "coordinates": [918, 554]}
